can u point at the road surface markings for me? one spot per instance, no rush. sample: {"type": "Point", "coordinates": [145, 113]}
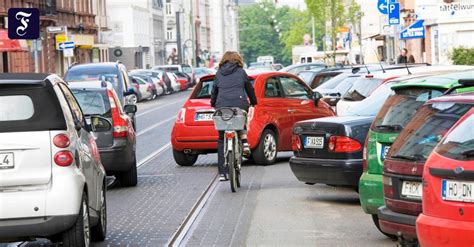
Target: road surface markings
{"type": "Point", "coordinates": [153, 155]}
{"type": "Point", "coordinates": [159, 107]}
{"type": "Point", "coordinates": [155, 125]}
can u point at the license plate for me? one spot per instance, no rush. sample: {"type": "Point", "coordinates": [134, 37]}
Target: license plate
{"type": "Point", "coordinates": [314, 142]}
{"type": "Point", "coordinates": [384, 152]}
{"type": "Point", "coordinates": [457, 191]}
{"type": "Point", "coordinates": [7, 161]}
{"type": "Point", "coordinates": [203, 117]}
{"type": "Point", "coordinates": [412, 190]}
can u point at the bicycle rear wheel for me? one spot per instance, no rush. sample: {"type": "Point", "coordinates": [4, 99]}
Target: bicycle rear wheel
{"type": "Point", "coordinates": [232, 170]}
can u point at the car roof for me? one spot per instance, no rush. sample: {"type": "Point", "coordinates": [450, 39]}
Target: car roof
{"type": "Point", "coordinates": [28, 78]}
{"type": "Point", "coordinates": [102, 64]}
{"type": "Point", "coordinates": [460, 97]}
{"type": "Point", "coordinates": [443, 81]}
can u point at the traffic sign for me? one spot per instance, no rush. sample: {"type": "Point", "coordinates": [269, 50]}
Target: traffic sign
{"type": "Point", "coordinates": [382, 6]}
{"type": "Point", "coordinates": [414, 31]}
{"type": "Point", "coordinates": [394, 13]}
{"type": "Point", "coordinates": [66, 45]}
{"type": "Point", "coordinates": [68, 52]}
{"type": "Point", "coordinates": [55, 29]}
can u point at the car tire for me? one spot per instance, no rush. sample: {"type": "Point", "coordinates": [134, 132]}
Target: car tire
{"type": "Point", "coordinates": [99, 231]}
{"type": "Point", "coordinates": [79, 234]}
{"type": "Point", "coordinates": [130, 177]}
{"type": "Point", "coordinates": [266, 151]}
{"type": "Point", "coordinates": [183, 159]}
{"type": "Point", "coordinates": [375, 218]}
{"type": "Point", "coordinates": [133, 99]}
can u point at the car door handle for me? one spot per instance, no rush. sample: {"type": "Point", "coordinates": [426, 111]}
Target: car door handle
{"type": "Point", "coordinates": [291, 110]}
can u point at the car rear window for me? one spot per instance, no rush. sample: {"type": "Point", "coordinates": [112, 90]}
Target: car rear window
{"type": "Point", "coordinates": [399, 108]}
{"type": "Point", "coordinates": [361, 88]}
{"type": "Point", "coordinates": [204, 89]}
{"type": "Point", "coordinates": [426, 129]}
{"type": "Point", "coordinates": [459, 144]}
{"type": "Point", "coordinates": [93, 102]}
{"type": "Point", "coordinates": [371, 105]}
{"type": "Point", "coordinates": [187, 69]}
{"type": "Point", "coordinates": [307, 77]}
{"type": "Point", "coordinates": [30, 108]}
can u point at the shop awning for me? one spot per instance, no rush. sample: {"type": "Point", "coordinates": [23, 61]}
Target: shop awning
{"type": "Point", "coordinates": [7, 44]}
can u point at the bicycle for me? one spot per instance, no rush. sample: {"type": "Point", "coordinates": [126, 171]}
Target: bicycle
{"type": "Point", "coordinates": [231, 120]}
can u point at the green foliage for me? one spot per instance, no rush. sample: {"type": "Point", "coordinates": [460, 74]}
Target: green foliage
{"type": "Point", "coordinates": [463, 56]}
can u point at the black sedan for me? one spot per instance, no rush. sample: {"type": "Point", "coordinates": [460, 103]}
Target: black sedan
{"type": "Point", "coordinates": [329, 150]}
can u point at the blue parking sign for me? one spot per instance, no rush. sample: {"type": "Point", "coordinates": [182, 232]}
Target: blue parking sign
{"type": "Point", "coordinates": [394, 13]}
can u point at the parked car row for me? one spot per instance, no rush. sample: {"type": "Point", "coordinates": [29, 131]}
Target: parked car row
{"type": "Point", "coordinates": [381, 144]}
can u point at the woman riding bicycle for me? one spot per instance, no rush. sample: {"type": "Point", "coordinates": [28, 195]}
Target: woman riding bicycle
{"type": "Point", "coordinates": [231, 89]}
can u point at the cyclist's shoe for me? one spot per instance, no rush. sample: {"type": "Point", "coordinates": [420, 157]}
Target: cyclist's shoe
{"type": "Point", "coordinates": [245, 149]}
{"type": "Point", "coordinates": [223, 177]}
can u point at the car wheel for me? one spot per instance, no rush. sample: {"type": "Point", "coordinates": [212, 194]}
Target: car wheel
{"type": "Point", "coordinates": [183, 159]}
{"type": "Point", "coordinates": [130, 177]}
{"type": "Point", "coordinates": [375, 218]}
{"type": "Point", "coordinates": [133, 99]}
{"type": "Point", "coordinates": [99, 231]}
{"type": "Point", "coordinates": [266, 151]}
{"type": "Point", "coordinates": [79, 234]}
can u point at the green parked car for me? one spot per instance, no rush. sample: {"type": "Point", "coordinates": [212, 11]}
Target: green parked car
{"type": "Point", "coordinates": [396, 112]}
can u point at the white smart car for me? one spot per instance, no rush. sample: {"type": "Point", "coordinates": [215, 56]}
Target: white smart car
{"type": "Point", "coordinates": [52, 183]}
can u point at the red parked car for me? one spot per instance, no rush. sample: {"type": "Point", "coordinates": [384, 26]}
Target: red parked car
{"type": "Point", "coordinates": [403, 167]}
{"type": "Point", "coordinates": [283, 99]}
{"type": "Point", "coordinates": [448, 194]}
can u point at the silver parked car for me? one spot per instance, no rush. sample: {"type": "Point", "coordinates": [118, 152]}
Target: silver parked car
{"type": "Point", "coordinates": [52, 183]}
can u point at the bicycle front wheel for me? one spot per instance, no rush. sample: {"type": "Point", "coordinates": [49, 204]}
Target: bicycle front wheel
{"type": "Point", "coordinates": [232, 171]}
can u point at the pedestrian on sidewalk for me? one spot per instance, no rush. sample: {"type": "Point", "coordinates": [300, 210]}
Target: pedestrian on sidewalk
{"type": "Point", "coordinates": [404, 58]}
{"type": "Point", "coordinates": [231, 89]}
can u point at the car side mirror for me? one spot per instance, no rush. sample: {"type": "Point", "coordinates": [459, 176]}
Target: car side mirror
{"type": "Point", "coordinates": [130, 109]}
{"type": "Point", "coordinates": [128, 92]}
{"type": "Point", "coordinates": [100, 124]}
{"type": "Point", "coordinates": [316, 97]}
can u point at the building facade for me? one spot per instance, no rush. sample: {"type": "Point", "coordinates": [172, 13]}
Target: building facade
{"type": "Point", "coordinates": [76, 17]}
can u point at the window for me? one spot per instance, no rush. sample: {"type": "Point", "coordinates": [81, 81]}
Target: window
{"type": "Point", "coordinates": [293, 89]}
{"type": "Point", "coordinates": [73, 105]}
{"type": "Point", "coordinates": [9, 110]}
{"type": "Point", "coordinates": [187, 69]}
{"type": "Point", "coordinates": [205, 91]}
{"type": "Point", "coordinates": [459, 144]}
{"type": "Point", "coordinates": [272, 88]}
{"type": "Point", "coordinates": [426, 129]}
{"type": "Point", "coordinates": [168, 8]}
{"type": "Point", "coordinates": [169, 34]}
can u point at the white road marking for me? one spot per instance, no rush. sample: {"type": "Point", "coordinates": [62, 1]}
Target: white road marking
{"type": "Point", "coordinates": [153, 155]}
{"type": "Point", "coordinates": [159, 107]}
{"type": "Point", "coordinates": [155, 125]}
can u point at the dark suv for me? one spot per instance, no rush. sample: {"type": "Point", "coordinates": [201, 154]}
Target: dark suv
{"type": "Point", "coordinates": [118, 145]}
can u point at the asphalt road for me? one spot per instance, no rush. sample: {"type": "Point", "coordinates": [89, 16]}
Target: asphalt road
{"type": "Point", "coordinates": [187, 206]}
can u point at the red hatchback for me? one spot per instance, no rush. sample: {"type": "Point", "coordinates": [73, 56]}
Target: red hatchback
{"type": "Point", "coordinates": [403, 167]}
{"type": "Point", "coordinates": [448, 191]}
{"type": "Point", "coordinates": [283, 99]}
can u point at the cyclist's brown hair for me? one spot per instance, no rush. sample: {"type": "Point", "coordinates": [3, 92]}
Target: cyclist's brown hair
{"type": "Point", "coordinates": [232, 57]}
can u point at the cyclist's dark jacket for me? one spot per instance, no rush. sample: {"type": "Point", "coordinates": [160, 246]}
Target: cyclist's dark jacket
{"type": "Point", "coordinates": [232, 87]}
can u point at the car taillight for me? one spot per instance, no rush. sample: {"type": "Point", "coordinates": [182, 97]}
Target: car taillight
{"type": "Point", "coordinates": [61, 141]}
{"type": "Point", "coordinates": [120, 126]}
{"type": "Point", "coordinates": [296, 143]}
{"type": "Point", "coordinates": [250, 114]}
{"type": "Point", "coordinates": [388, 187]}
{"type": "Point", "coordinates": [63, 158]}
{"type": "Point", "coordinates": [181, 115]}
{"type": "Point", "coordinates": [343, 144]}
{"type": "Point", "coordinates": [364, 154]}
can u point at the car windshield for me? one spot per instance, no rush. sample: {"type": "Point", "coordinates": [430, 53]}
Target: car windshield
{"type": "Point", "coordinates": [205, 89]}
{"type": "Point", "coordinates": [333, 82]}
{"type": "Point", "coordinates": [371, 105]}
{"type": "Point", "coordinates": [399, 108]}
{"type": "Point", "coordinates": [361, 88]}
{"type": "Point", "coordinates": [459, 143]}
{"type": "Point", "coordinates": [426, 129]}
{"type": "Point", "coordinates": [307, 77]}
{"type": "Point", "coordinates": [89, 73]}
{"type": "Point", "coordinates": [93, 102]}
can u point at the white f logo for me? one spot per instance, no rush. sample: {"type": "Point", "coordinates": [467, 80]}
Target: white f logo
{"type": "Point", "coordinates": [22, 17]}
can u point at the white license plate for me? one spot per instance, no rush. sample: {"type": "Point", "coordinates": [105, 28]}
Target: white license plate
{"type": "Point", "coordinates": [314, 142]}
{"type": "Point", "coordinates": [7, 161]}
{"type": "Point", "coordinates": [412, 190]}
{"type": "Point", "coordinates": [384, 152]}
{"type": "Point", "coordinates": [457, 191]}
{"type": "Point", "coordinates": [203, 117]}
